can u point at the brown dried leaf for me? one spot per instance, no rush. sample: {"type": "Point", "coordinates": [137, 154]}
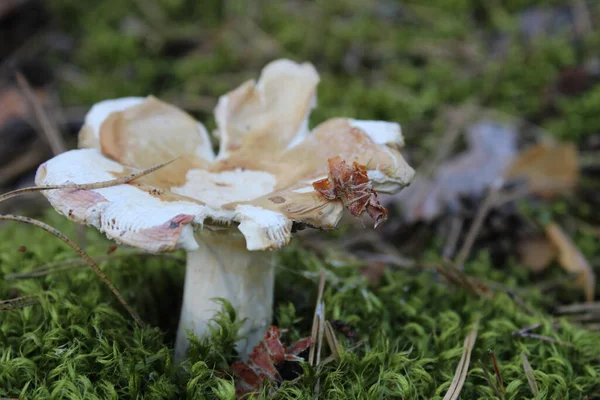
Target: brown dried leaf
{"type": "Point", "coordinates": [547, 169]}
{"type": "Point", "coordinates": [571, 259]}
{"type": "Point", "coordinates": [460, 375]}
{"type": "Point", "coordinates": [352, 185]}
{"type": "Point", "coordinates": [264, 360]}
{"type": "Point", "coordinates": [536, 253]}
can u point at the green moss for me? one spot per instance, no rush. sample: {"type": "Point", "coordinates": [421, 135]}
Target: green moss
{"type": "Point", "coordinates": [377, 59]}
{"type": "Point", "coordinates": [79, 343]}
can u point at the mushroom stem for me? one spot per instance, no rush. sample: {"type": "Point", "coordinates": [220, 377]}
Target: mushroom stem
{"type": "Point", "coordinates": [223, 268]}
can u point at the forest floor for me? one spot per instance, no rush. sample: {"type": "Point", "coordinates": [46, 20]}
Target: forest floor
{"type": "Point", "coordinates": [484, 276]}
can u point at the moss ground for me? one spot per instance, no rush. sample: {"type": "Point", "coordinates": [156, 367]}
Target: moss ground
{"type": "Point", "coordinates": [379, 60]}
{"type": "Point", "coordinates": [79, 344]}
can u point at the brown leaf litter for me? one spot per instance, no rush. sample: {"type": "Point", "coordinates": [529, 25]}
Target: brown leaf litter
{"type": "Point", "coordinates": [537, 253]}
{"type": "Point", "coordinates": [572, 260]}
{"type": "Point", "coordinates": [264, 361]}
{"type": "Point", "coordinates": [548, 169]}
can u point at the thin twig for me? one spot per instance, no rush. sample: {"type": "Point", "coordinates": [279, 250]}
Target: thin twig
{"type": "Point", "coordinates": [82, 254]}
{"type": "Point", "coordinates": [318, 331]}
{"type": "Point", "coordinates": [18, 302]}
{"type": "Point", "coordinates": [497, 370]}
{"type": "Point", "coordinates": [578, 307]}
{"type": "Point", "coordinates": [527, 329]}
{"type": "Point", "coordinates": [456, 226]}
{"type": "Point", "coordinates": [518, 301]}
{"type": "Point", "coordinates": [546, 339]}
{"type": "Point", "coordinates": [332, 341]}
{"type": "Point", "coordinates": [526, 333]}
{"type": "Point", "coordinates": [321, 332]}
{"type": "Point", "coordinates": [482, 212]}
{"type": "Point", "coordinates": [463, 366]}
{"type": "Point", "coordinates": [529, 374]}
{"type": "Point", "coordinates": [50, 130]}
{"type": "Point", "coordinates": [489, 380]}
{"type": "Point", "coordinates": [86, 186]}
{"type": "Point", "coordinates": [470, 283]}
{"type": "Point", "coordinates": [315, 325]}
{"type": "Point", "coordinates": [75, 263]}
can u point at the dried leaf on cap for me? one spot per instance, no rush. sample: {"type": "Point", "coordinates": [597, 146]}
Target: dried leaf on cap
{"type": "Point", "coordinates": [264, 140]}
{"type": "Point", "coordinates": [352, 185]}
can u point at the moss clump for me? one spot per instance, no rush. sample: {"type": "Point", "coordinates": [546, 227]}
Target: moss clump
{"type": "Point", "coordinates": [78, 343]}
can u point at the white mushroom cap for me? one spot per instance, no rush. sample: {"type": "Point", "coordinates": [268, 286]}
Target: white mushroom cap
{"type": "Point", "coordinates": [261, 182]}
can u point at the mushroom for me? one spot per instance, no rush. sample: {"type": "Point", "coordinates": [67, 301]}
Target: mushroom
{"type": "Point", "coordinates": [226, 210]}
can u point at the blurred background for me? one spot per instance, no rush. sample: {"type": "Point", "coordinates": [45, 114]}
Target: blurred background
{"type": "Point", "coordinates": [495, 93]}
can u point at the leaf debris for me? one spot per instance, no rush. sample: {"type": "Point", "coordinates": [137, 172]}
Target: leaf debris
{"type": "Point", "coordinates": [352, 185]}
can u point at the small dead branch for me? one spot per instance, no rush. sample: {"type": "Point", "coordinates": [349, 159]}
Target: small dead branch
{"type": "Point", "coordinates": [89, 261]}
{"type": "Point", "coordinates": [482, 212]}
{"type": "Point", "coordinates": [518, 301]}
{"type": "Point", "coordinates": [488, 378]}
{"type": "Point", "coordinates": [456, 226]}
{"type": "Point", "coordinates": [460, 375]}
{"type": "Point", "coordinates": [19, 302]}
{"type": "Point", "coordinates": [316, 319]}
{"type": "Point", "coordinates": [460, 279]}
{"type": "Point", "coordinates": [86, 186]}
{"type": "Point", "coordinates": [49, 129]}
{"type": "Point", "coordinates": [526, 333]}
{"type": "Point", "coordinates": [318, 331]}
{"type": "Point", "coordinates": [76, 263]}
{"type": "Point", "coordinates": [526, 329]}
{"type": "Point", "coordinates": [529, 374]}
{"type": "Point", "coordinates": [332, 341]}
{"type": "Point", "coordinates": [585, 314]}
{"type": "Point", "coordinates": [579, 307]}
{"type": "Point", "coordinates": [499, 379]}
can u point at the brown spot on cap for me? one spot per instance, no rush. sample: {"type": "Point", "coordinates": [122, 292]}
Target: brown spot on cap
{"type": "Point", "coordinates": [277, 199]}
